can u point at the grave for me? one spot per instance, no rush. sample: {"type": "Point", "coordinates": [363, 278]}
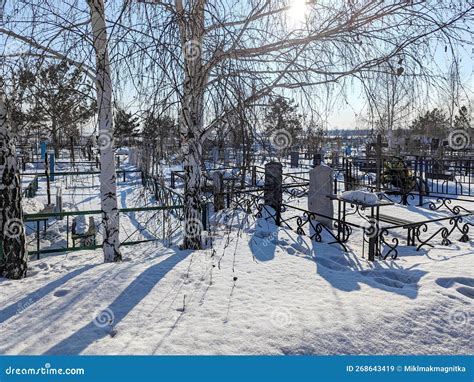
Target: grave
{"type": "Point", "coordinates": [320, 186]}
{"type": "Point", "coordinates": [273, 185]}
{"type": "Point", "coordinates": [294, 159]}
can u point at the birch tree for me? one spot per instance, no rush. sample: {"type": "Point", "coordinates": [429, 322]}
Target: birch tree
{"type": "Point", "coordinates": [13, 254]}
{"type": "Point", "coordinates": [270, 46]}
{"type": "Point", "coordinates": [60, 30]}
{"type": "Point", "coordinates": [108, 176]}
{"type": "Point", "coordinates": [187, 54]}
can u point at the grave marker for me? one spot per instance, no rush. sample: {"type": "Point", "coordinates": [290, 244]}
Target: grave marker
{"type": "Point", "coordinates": [273, 187]}
{"type": "Point", "coordinates": [294, 159]}
{"type": "Point", "coordinates": [320, 186]}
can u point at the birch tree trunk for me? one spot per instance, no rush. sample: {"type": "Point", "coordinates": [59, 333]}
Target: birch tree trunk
{"type": "Point", "coordinates": [191, 127]}
{"type": "Point", "coordinates": [191, 119]}
{"type": "Point", "coordinates": [108, 176]}
{"type": "Point", "coordinates": [14, 262]}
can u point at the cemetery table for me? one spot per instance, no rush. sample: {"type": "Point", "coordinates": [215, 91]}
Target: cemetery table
{"type": "Point", "coordinates": [373, 220]}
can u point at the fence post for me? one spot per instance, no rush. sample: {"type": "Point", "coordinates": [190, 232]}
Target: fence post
{"type": "Point", "coordinates": [378, 153]}
{"type": "Point", "coordinates": [72, 150]}
{"type": "Point", "coordinates": [172, 180]}
{"type": "Point", "coordinates": [156, 189]}
{"type": "Point", "coordinates": [46, 172]}
{"type": "Point", "coordinates": [204, 216]}
{"type": "Point", "coordinates": [218, 190]}
{"type": "Point", "coordinates": [422, 181]}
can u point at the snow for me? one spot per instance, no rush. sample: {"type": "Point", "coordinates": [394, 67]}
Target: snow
{"type": "Point", "coordinates": [360, 196]}
{"type": "Point", "coordinates": [31, 206]}
{"type": "Point", "coordinates": [258, 289]}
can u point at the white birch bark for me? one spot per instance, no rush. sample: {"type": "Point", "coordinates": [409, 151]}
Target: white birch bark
{"type": "Point", "coordinates": [108, 177]}
{"type": "Point", "coordinates": [14, 262]}
{"type": "Point", "coordinates": [191, 119]}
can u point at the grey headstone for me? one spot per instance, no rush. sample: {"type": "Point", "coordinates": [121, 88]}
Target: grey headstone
{"type": "Point", "coordinates": [320, 186]}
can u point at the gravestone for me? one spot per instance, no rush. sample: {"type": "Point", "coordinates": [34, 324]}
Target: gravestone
{"type": "Point", "coordinates": [317, 159]}
{"type": "Point", "coordinates": [407, 144]}
{"type": "Point", "coordinates": [59, 201]}
{"type": "Point", "coordinates": [239, 157]}
{"type": "Point", "coordinates": [320, 186]}
{"type": "Point", "coordinates": [294, 159]}
{"type": "Point", "coordinates": [273, 185]}
{"type": "Point", "coordinates": [43, 149]}
{"type": "Point", "coordinates": [215, 154]}
{"type": "Point", "coordinates": [218, 190]}
{"type": "Point", "coordinates": [254, 176]}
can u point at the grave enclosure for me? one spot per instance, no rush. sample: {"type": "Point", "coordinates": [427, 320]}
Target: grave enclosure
{"type": "Point", "coordinates": [269, 192]}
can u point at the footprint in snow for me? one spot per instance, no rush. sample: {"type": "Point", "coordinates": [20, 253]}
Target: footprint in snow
{"type": "Point", "coordinates": [61, 292]}
{"type": "Point", "coordinates": [447, 282]}
{"type": "Point", "coordinates": [466, 291]}
{"type": "Point", "coordinates": [467, 288]}
{"type": "Point", "coordinates": [389, 282]}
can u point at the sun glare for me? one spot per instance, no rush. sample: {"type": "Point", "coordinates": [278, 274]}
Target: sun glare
{"type": "Point", "coordinates": [297, 11]}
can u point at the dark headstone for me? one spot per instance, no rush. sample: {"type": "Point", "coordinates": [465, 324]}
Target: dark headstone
{"type": "Point", "coordinates": [273, 184]}
{"type": "Point", "coordinates": [317, 159]}
{"type": "Point", "coordinates": [218, 190]}
{"type": "Point", "coordinates": [294, 159]}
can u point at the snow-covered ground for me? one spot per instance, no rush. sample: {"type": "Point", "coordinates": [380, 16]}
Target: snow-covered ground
{"type": "Point", "coordinates": [258, 289]}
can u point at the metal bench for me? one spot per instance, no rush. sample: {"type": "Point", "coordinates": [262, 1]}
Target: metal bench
{"type": "Point", "coordinates": [403, 223]}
